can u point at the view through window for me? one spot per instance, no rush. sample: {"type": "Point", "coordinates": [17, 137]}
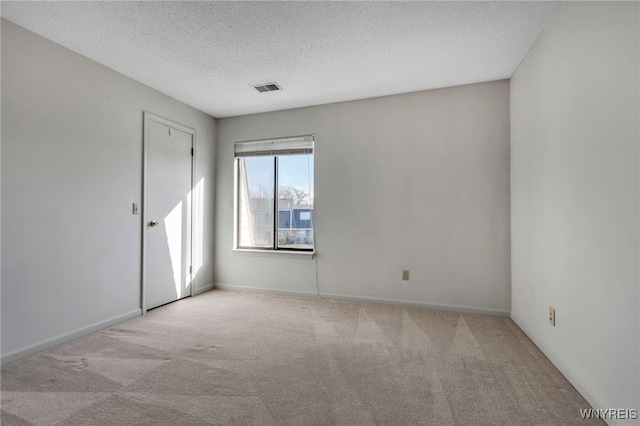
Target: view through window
{"type": "Point", "coordinates": [274, 199]}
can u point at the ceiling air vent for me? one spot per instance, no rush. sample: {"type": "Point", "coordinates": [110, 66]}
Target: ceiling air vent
{"type": "Point", "coordinates": [267, 87]}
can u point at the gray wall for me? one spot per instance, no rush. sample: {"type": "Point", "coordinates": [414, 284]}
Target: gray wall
{"type": "Point", "coordinates": [71, 168]}
{"type": "Point", "coordinates": [416, 181]}
{"type": "Point", "coordinates": [575, 198]}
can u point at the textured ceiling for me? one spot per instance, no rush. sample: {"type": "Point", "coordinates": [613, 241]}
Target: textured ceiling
{"type": "Point", "coordinates": [209, 54]}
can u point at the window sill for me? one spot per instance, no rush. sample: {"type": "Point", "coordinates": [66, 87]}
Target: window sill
{"type": "Point", "coordinates": [278, 253]}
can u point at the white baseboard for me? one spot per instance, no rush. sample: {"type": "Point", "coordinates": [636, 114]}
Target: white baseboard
{"type": "Point", "coordinates": [266, 290]}
{"type": "Point", "coordinates": [47, 344]}
{"type": "Point", "coordinates": [373, 300]}
{"type": "Point", "coordinates": [575, 381]}
{"type": "Point", "coordinates": [434, 306]}
{"type": "Point", "coordinates": [201, 290]}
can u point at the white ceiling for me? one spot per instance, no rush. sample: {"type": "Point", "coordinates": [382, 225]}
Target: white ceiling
{"type": "Point", "coordinates": [209, 54]}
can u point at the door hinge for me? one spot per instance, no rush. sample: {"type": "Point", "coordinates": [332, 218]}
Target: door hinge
{"type": "Point", "coordinates": [192, 152]}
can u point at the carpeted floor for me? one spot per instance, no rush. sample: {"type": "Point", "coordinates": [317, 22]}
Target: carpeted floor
{"type": "Point", "coordinates": [231, 358]}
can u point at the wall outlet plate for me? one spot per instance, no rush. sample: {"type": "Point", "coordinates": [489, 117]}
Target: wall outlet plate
{"type": "Point", "coordinates": [552, 316]}
{"type": "Point", "coordinates": [405, 275]}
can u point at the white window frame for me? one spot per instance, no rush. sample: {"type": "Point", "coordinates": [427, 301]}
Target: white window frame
{"type": "Point", "coordinates": [293, 145]}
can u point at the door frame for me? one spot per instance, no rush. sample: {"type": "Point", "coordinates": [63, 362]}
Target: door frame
{"type": "Point", "coordinates": [147, 118]}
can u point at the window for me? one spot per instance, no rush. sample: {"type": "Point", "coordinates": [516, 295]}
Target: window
{"type": "Point", "coordinates": [274, 194]}
{"type": "Point", "coordinates": [284, 219]}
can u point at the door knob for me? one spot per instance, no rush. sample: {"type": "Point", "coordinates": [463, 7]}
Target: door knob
{"type": "Point", "coordinates": [154, 223]}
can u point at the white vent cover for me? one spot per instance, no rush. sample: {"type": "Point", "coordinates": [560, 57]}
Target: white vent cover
{"type": "Point", "coordinates": [267, 87]}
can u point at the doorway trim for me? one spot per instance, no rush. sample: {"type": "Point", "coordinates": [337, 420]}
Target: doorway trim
{"type": "Point", "coordinates": [147, 118]}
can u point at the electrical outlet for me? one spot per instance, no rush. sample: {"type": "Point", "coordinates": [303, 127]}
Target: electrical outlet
{"type": "Point", "coordinates": [405, 275]}
{"type": "Point", "coordinates": [552, 316]}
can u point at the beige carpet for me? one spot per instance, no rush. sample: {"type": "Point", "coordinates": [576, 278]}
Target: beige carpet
{"type": "Point", "coordinates": [231, 358]}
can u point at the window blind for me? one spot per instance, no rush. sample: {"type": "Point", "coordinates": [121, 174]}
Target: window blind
{"type": "Point", "coordinates": [294, 145]}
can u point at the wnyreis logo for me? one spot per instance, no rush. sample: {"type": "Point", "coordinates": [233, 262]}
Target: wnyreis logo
{"type": "Point", "coordinates": [609, 413]}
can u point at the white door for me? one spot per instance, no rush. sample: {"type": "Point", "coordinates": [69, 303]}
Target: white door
{"type": "Point", "coordinates": [167, 212]}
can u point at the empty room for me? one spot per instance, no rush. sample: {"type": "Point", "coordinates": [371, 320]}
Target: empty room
{"type": "Point", "coordinates": [320, 213]}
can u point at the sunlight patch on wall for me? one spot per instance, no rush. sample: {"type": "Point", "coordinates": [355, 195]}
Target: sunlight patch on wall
{"type": "Point", "coordinates": [198, 226]}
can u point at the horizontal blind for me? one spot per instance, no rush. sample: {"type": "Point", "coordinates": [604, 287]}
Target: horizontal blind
{"type": "Point", "coordinates": [293, 145]}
